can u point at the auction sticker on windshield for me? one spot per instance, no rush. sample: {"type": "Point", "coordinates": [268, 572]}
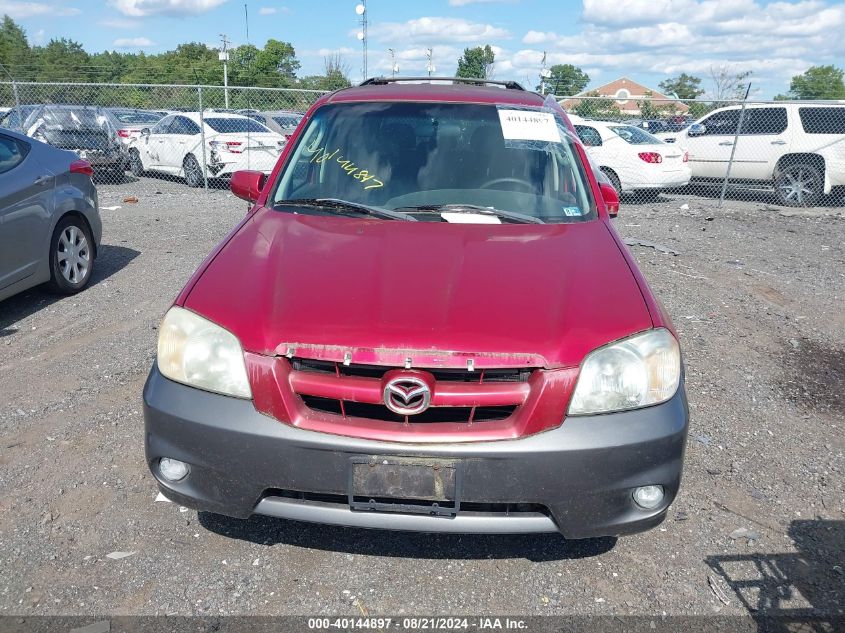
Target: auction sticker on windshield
{"type": "Point", "coordinates": [524, 125]}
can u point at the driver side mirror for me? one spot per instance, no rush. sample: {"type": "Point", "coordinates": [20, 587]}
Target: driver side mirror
{"type": "Point", "coordinates": [611, 199]}
{"type": "Point", "coordinates": [247, 185]}
{"type": "Point", "coordinates": [696, 129]}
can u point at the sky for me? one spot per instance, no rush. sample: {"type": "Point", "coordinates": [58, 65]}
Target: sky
{"type": "Point", "coordinates": [646, 40]}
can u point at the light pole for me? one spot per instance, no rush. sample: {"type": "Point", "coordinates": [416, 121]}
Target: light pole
{"type": "Point", "coordinates": [545, 73]}
{"type": "Point", "coordinates": [223, 56]}
{"type": "Point", "coordinates": [361, 10]}
{"type": "Point", "coordinates": [429, 66]}
{"type": "Point", "coordinates": [394, 67]}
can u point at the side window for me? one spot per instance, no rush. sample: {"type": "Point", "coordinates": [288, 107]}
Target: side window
{"type": "Point", "coordinates": [721, 123]}
{"type": "Point", "coordinates": [12, 153]}
{"type": "Point", "coordinates": [589, 135]}
{"type": "Point", "coordinates": [162, 126]}
{"type": "Point", "coordinates": [764, 121]}
{"type": "Point", "coordinates": [183, 125]}
{"type": "Point", "coordinates": [822, 120]}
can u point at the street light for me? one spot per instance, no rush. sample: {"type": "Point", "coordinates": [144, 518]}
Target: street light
{"type": "Point", "coordinates": [394, 67]}
{"type": "Point", "coordinates": [429, 66]}
{"type": "Point", "coordinates": [361, 11]}
{"type": "Point", "coordinates": [223, 56]}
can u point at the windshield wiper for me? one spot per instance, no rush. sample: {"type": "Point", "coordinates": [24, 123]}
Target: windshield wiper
{"type": "Point", "coordinates": [345, 205]}
{"type": "Point", "coordinates": [513, 216]}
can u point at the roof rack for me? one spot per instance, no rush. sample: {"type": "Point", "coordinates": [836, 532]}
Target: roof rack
{"type": "Point", "coordinates": [381, 81]}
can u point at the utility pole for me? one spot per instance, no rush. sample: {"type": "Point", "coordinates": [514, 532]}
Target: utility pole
{"type": "Point", "coordinates": [394, 67]}
{"type": "Point", "coordinates": [361, 11]}
{"type": "Point", "coordinates": [429, 66]}
{"type": "Point", "coordinates": [223, 56]}
{"type": "Point", "coordinates": [545, 73]}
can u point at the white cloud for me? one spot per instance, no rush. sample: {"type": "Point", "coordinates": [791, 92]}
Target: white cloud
{"type": "Point", "coordinates": [39, 37]}
{"type": "Point", "coordinates": [133, 42]}
{"type": "Point", "coordinates": [23, 10]}
{"type": "Point", "coordinates": [538, 37]}
{"type": "Point", "coordinates": [267, 10]}
{"type": "Point", "coordinates": [142, 8]}
{"type": "Point", "coordinates": [431, 30]}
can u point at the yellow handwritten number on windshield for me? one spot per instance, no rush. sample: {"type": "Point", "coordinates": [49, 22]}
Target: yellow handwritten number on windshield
{"type": "Point", "coordinates": [322, 155]}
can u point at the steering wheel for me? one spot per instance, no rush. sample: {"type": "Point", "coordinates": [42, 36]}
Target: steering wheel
{"type": "Point", "coordinates": [515, 181]}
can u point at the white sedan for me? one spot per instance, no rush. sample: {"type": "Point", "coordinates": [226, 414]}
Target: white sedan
{"type": "Point", "coordinates": [633, 159]}
{"type": "Point", "coordinates": [174, 146]}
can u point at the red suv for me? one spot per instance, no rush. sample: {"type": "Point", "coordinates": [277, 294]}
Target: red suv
{"type": "Point", "coordinates": [425, 322]}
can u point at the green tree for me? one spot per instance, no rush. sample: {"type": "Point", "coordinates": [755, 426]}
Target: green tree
{"type": "Point", "coordinates": [15, 53]}
{"type": "Point", "coordinates": [477, 63]}
{"type": "Point", "coordinates": [597, 107]}
{"type": "Point", "coordinates": [566, 80]}
{"type": "Point", "coordinates": [818, 82]}
{"type": "Point", "coordinates": [276, 64]}
{"type": "Point", "coordinates": [63, 59]}
{"type": "Point", "coordinates": [683, 86]}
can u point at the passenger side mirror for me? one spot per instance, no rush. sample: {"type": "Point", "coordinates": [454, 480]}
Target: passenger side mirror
{"type": "Point", "coordinates": [696, 129]}
{"type": "Point", "coordinates": [145, 131]}
{"type": "Point", "coordinates": [247, 185]}
{"type": "Point", "coordinates": [611, 199]}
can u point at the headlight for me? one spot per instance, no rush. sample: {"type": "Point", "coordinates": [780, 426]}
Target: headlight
{"type": "Point", "coordinates": [635, 372]}
{"type": "Point", "coordinates": [199, 353]}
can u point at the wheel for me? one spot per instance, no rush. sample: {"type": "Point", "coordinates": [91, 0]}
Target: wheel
{"type": "Point", "coordinates": [799, 185]}
{"type": "Point", "coordinates": [193, 171]}
{"type": "Point", "coordinates": [71, 255]}
{"type": "Point", "coordinates": [136, 166]}
{"type": "Point", "coordinates": [614, 180]}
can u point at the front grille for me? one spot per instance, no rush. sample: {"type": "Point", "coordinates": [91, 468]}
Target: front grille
{"type": "Point", "coordinates": [440, 375]}
{"type": "Point", "coordinates": [506, 509]}
{"type": "Point", "coordinates": [431, 415]}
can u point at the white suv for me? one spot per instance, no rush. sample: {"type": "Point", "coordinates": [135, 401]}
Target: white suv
{"type": "Point", "coordinates": [799, 148]}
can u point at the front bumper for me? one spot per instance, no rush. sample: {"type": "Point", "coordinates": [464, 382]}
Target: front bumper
{"type": "Point", "coordinates": [576, 479]}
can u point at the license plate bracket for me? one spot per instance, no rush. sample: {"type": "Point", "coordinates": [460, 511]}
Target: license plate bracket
{"type": "Point", "coordinates": [408, 485]}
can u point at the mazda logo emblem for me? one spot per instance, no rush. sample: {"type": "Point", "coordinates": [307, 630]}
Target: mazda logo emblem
{"type": "Point", "coordinates": [407, 395]}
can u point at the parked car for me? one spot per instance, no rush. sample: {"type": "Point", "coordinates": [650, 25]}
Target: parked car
{"type": "Point", "coordinates": [427, 321]}
{"type": "Point", "coordinates": [633, 159]}
{"type": "Point", "coordinates": [796, 148]}
{"type": "Point", "coordinates": [50, 225]}
{"type": "Point", "coordinates": [80, 129]}
{"type": "Point", "coordinates": [174, 146]}
{"type": "Point", "coordinates": [129, 121]}
{"type": "Point", "coordinates": [282, 121]}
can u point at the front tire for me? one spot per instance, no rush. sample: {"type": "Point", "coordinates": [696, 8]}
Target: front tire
{"type": "Point", "coordinates": [193, 172]}
{"type": "Point", "coordinates": [71, 255]}
{"type": "Point", "coordinates": [799, 185]}
{"type": "Point", "coordinates": [614, 180]}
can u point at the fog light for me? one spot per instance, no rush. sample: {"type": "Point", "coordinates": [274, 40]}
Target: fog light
{"type": "Point", "coordinates": [648, 497]}
{"type": "Point", "coordinates": [172, 469]}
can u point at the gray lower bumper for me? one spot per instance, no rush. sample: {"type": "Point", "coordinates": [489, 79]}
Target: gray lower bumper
{"type": "Point", "coordinates": [582, 472]}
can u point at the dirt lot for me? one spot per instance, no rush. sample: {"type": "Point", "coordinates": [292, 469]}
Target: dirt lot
{"type": "Point", "coordinates": [758, 296]}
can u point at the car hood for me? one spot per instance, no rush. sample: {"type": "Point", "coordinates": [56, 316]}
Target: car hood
{"type": "Point", "coordinates": [510, 294]}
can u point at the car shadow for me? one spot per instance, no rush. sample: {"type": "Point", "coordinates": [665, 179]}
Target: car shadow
{"type": "Point", "coordinates": [273, 531]}
{"type": "Point", "coordinates": [783, 592]}
{"type": "Point", "coordinates": [110, 259]}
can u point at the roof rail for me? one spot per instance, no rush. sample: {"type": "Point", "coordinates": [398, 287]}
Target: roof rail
{"type": "Point", "coordinates": [382, 81]}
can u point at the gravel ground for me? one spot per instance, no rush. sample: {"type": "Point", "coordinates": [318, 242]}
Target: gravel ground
{"type": "Point", "coordinates": [757, 293]}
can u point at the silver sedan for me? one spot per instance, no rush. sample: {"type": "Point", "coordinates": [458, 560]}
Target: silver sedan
{"type": "Point", "coordinates": [50, 225]}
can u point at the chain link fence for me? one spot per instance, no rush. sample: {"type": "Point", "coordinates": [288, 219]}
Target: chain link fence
{"type": "Point", "coordinates": [195, 133]}
{"type": "Point", "coordinates": [789, 153]}
{"type": "Point", "coordinates": [781, 152]}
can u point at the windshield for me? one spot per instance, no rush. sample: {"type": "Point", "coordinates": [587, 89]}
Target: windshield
{"type": "Point", "coordinates": [68, 118]}
{"type": "Point", "coordinates": [129, 116]}
{"type": "Point", "coordinates": [287, 120]}
{"type": "Point", "coordinates": [403, 156]}
{"type": "Point", "coordinates": [634, 135]}
{"type": "Point", "coordinates": [235, 125]}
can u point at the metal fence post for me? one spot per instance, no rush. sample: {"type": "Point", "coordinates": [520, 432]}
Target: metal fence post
{"type": "Point", "coordinates": [733, 147]}
{"type": "Point", "coordinates": [202, 139]}
{"type": "Point", "coordinates": [18, 105]}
